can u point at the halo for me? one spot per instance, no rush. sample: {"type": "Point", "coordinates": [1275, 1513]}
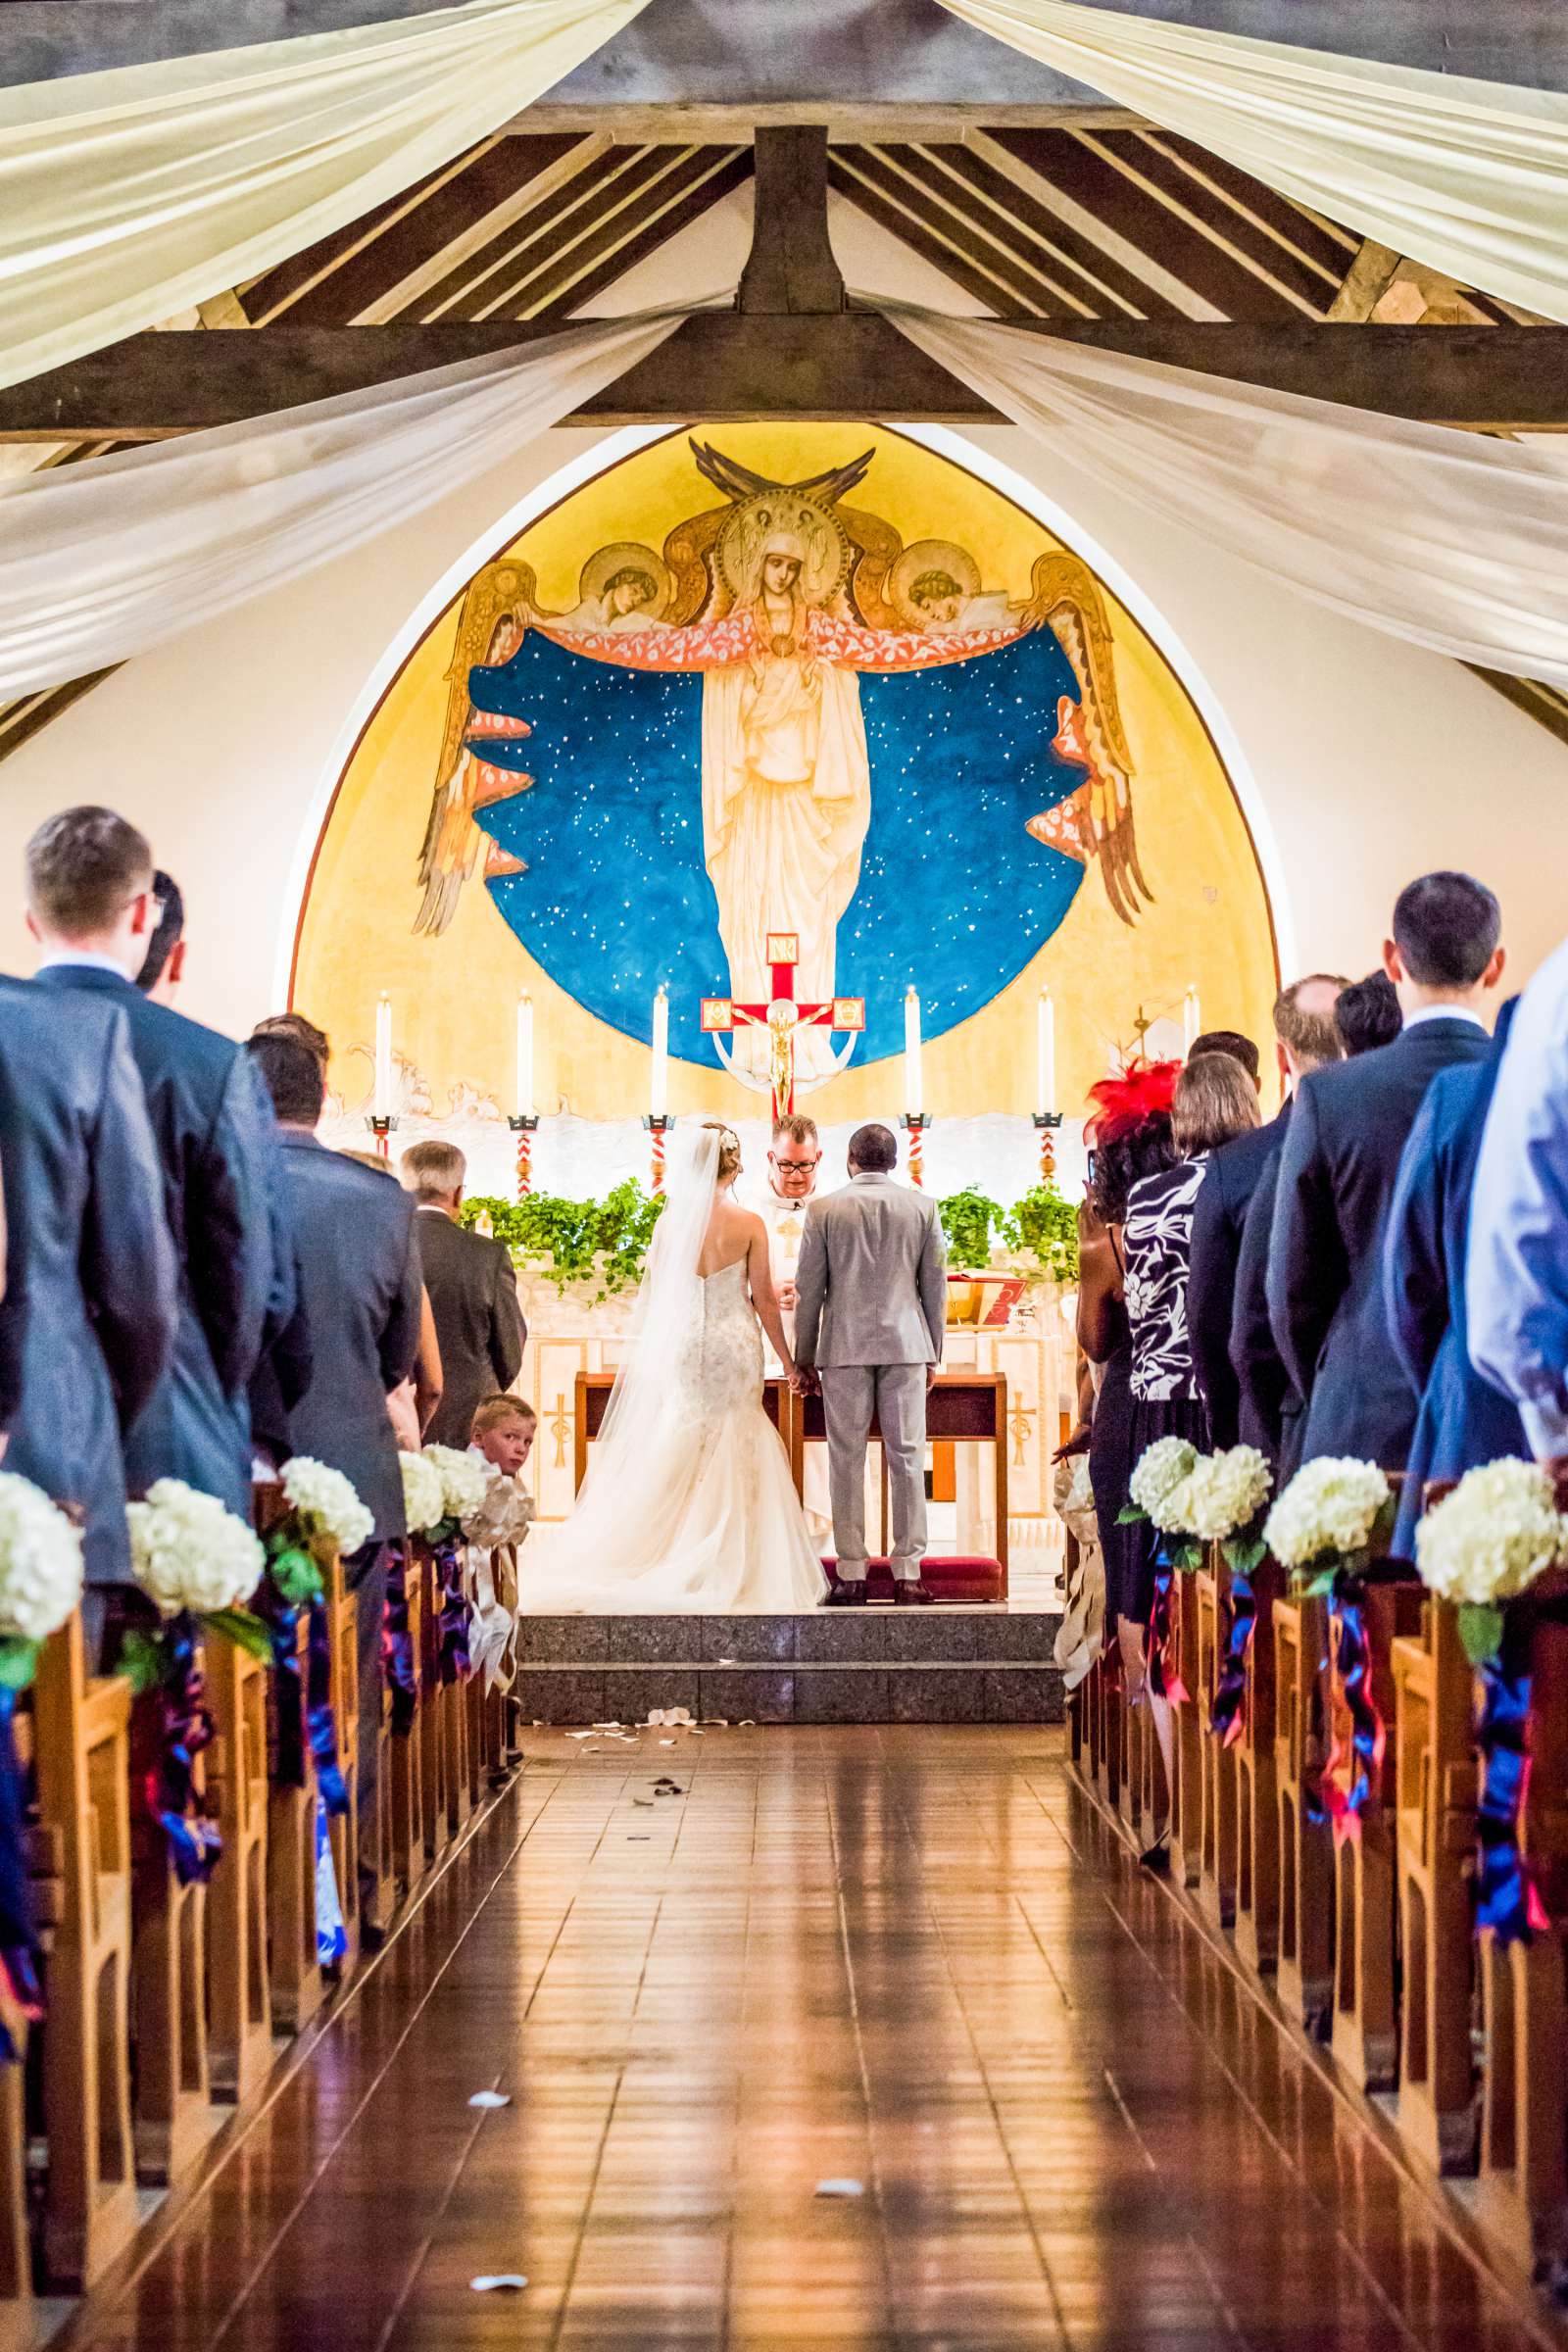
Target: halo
{"type": "Point", "coordinates": [827, 548]}
{"type": "Point", "coordinates": [928, 555]}
{"type": "Point", "coordinates": [624, 554]}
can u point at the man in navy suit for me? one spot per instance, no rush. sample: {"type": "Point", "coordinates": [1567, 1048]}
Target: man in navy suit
{"type": "Point", "coordinates": [89, 1319]}
{"type": "Point", "coordinates": [1305, 1040]}
{"type": "Point", "coordinates": [1463, 1420]}
{"type": "Point", "coordinates": [1339, 1165]}
{"type": "Point", "coordinates": [359, 1264]}
{"type": "Point", "coordinates": [91, 907]}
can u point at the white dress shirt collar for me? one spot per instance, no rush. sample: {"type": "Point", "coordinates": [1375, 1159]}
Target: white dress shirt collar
{"type": "Point", "coordinates": [84, 960]}
{"type": "Point", "coordinates": [1445, 1012]}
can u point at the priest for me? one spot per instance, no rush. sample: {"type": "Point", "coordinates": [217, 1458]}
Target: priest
{"type": "Point", "coordinates": [793, 1164]}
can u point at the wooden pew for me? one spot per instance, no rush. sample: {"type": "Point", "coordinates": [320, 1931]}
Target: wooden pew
{"type": "Point", "coordinates": [1305, 1921]}
{"type": "Point", "coordinates": [1436, 1786]}
{"type": "Point", "coordinates": [407, 1758]}
{"type": "Point", "coordinates": [1255, 1872]}
{"type": "Point", "coordinates": [433, 1759]}
{"type": "Point", "coordinates": [1187, 1737]}
{"type": "Point", "coordinates": [294, 1964]}
{"type": "Point", "coordinates": [343, 1643]}
{"type": "Point", "coordinates": [168, 1974]}
{"type": "Point", "coordinates": [239, 2005]}
{"type": "Point", "coordinates": [83, 1771]}
{"type": "Point", "coordinates": [1217, 1855]}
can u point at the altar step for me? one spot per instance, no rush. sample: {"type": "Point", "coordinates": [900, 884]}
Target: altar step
{"type": "Point", "coordinates": [874, 1665]}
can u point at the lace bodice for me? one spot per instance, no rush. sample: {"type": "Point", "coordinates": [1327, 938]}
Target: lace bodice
{"type": "Point", "coordinates": [723, 1366]}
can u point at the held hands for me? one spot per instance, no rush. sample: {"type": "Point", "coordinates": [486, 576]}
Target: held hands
{"type": "Point", "coordinates": [804, 1382]}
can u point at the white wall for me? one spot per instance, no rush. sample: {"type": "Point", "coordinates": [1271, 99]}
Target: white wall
{"type": "Point", "coordinates": [1373, 760]}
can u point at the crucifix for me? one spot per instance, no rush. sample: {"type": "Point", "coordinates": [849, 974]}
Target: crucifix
{"type": "Point", "coordinates": [782, 1016]}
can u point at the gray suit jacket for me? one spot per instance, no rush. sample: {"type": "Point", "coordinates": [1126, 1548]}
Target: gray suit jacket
{"type": "Point", "coordinates": [871, 1286]}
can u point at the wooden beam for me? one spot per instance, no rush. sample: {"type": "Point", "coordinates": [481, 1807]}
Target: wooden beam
{"type": "Point", "coordinates": [1366, 281]}
{"type": "Point", "coordinates": [722, 367]}
{"type": "Point", "coordinates": [791, 268]}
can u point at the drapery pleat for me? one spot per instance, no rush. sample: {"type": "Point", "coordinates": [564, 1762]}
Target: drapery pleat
{"type": "Point", "coordinates": [1448, 539]}
{"type": "Point", "coordinates": [102, 559]}
{"type": "Point", "coordinates": [1468, 176]}
{"type": "Point", "coordinates": [127, 195]}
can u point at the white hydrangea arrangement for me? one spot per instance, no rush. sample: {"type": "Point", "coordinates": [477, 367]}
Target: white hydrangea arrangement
{"type": "Point", "coordinates": [1487, 1543]}
{"type": "Point", "coordinates": [463, 1486]}
{"type": "Point", "coordinates": [327, 1508]}
{"type": "Point", "coordinates": [1328, 1517]}
{"type": "Point", "coordinates": [1162, 1472]}
{"type": "Point", "coordinates": [425, 1494]}
{"type": "Point", "coordinates": [40, 1575]}
{"type": "Point", "coordinates": [188, 1553]}
{"type": "Point", "coordinates": [1221, 1500]}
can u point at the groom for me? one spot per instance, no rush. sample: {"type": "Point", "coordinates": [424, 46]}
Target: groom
{"type": "Point", "coordinates": [871, 1304]}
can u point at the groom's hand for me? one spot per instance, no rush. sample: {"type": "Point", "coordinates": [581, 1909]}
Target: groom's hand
{"type": "Point", "coordinates": [931, 1372]}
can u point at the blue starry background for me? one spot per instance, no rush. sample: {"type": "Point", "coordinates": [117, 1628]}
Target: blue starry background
{"type": "Point", "coordinates": [953, 894]}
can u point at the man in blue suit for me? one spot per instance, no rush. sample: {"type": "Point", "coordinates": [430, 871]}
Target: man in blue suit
{"type": "Point", "coordinates": [91, 907]}
{"type": "Point", "coordinates": [1463, 1420]}
{"type": "Point", "coordinates": [1337, 1170]}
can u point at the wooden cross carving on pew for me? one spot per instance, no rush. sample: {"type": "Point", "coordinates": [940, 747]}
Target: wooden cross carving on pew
{"type": "Point", "coordinates": [782, 1017]}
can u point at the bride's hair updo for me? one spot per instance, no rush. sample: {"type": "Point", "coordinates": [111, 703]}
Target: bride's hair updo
{"type": "Point", "coordinates": [729, 1149]}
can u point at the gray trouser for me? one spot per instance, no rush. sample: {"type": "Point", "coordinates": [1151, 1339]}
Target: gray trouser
{"type": "Point", "coordinates": [896, 1393]}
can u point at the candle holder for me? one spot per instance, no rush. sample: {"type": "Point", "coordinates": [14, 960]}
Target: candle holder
{"type": "Point", "coordinates": [524, 1125]}
{"type": "Point", "coordinates": [1046, 1124]}
{"type": "Point", "coordinates": [381, 1128]}
{"type": "Point", "coordinates": [659, 1126]}
{"type": "Point", "coordinates": [914, 1123]}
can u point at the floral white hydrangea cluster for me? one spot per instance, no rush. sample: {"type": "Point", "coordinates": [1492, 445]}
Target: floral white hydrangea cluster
{"type": "Point", "coordinates": [41, 1561]}
{"type": "Point", "coordinates": [1223, 1493]}
{"type": "Point", "coordinates": [1493, 1537]}
{"type": "Point", "coordinates": [1329, 1509]}
{"type": "Point", "coordinates": [188, 1553]}
{"type": "Point", "coordinates": [463, 1479]}
{"type": "Point", "coordinates": [1161, 1473]}
{"type": "Point", "coordinates": [425, 1494]}
{"type": "Point", "coordinates": [326, 1503]}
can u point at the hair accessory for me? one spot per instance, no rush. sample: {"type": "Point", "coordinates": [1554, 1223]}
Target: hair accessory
{"type": "Point", "coordinates": [1143, 1091]}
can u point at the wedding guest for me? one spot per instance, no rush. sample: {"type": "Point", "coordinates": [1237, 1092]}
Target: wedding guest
{"type": "Point", "coordinates": [1368, 1014]}
{"type": "Point", "coordinates": [91, 1290]}
{"type": "Point", "coordinates": [1304, 1038]}
{"type": "Point", "coordinates": [1516, 1280]}
{"type": "Point", "coordinates": [1214, 1102]}
{"type": "Point", "coordinates": [91, 907]}
{"type": "Point", "coordinates": [1462, 1420]}
{"type": "Point", "coordinates": [412, 1403]}
{"type": "Point", "coordinates": [504, 1432]}
{"type": "Point", "coordinates": [302, 1032]}
{"type": "Point", "coordinates": [1240, 1048]}
{"type": "Point", "coordinates": [163, 967]}
{"type": "Point", "coordinates": [1339, 1165]}
{"type": "Point", "coordinates": [361, 1266]}
{"type": "Point", "coordinates": [474, 1291]}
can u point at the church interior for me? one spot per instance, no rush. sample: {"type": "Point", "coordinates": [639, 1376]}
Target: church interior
{"type": "Point", "coordinates": [796, 571]}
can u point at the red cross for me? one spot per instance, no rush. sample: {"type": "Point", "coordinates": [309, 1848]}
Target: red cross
{"type": "Point", "coordinates": [721, 1013]}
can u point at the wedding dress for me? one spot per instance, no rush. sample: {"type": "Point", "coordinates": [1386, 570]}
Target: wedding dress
{"type": "Point", "coordinates": [688, 1505]}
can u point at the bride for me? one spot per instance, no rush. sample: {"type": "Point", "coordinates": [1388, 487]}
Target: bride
{"type": "Point", "coordinates": [688, 1504]}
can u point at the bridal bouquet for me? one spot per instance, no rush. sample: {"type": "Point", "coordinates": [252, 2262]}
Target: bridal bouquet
{"type": "Point", "coordinates": [462, 1485]}
{"type": "Point", "coordinates": [192, 1558]}
{"type": "Point", "coordinates": [425, 1494]}
{"type": "Point", "coordinates": [40, 1575]}
{"type": "Point", "coordinates": [1487, 1543]}
{"type": "Point", "coordinates": [1327, 1520]}
{"type": "Point", "coordinates": [504, 1516]}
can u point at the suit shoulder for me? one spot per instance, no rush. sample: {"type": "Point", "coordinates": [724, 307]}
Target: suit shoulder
{"type": "Point", "coordinates": [183, 1043]}
{"type": "Point", "coordinates": [56, 1018]}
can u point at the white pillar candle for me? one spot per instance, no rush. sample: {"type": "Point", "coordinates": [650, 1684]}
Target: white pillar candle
{"type": "Point", "coordinates": [1192, 1025]}
{"type": "Point", "coordinates": [1047, 1055]}
{"type": "Point", "coordinates": [658, 1092]}
{"type": "Point", "coordinates": [383, 1057]}
{"type": "Point", "coordinates": [525, 1056]}
{"type": "Point", "coordinates": [914, 1089]}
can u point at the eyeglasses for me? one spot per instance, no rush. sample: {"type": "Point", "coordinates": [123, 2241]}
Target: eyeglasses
{"type": "Point", "coordinates": [794, 1167]}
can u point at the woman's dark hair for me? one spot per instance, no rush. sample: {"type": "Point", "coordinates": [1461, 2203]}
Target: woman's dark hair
{"type": "Point", "coordinates": [1145, 1149]}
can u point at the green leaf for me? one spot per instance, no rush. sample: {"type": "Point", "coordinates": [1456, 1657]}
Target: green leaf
{"type": "Point", "coordinates": [1131, 1516]}
{"type": "Point", "coordinates": [1243, 1554]}
{"type": "Point", "coordinates": [1480, 1631]}
{"type": "Point", "coordinates": [18, 1658]}
{"type": "Point", "coordinates": [1188, 1558]}
{"type": "Point", "coordinates": [244, 1629]}
{"type": "Point", "coordinates": [1314, 1584]}
{"type": "Point", "coordinates": [296, 1576]}
{"type": "Point", "coordinates": [141, 1661]}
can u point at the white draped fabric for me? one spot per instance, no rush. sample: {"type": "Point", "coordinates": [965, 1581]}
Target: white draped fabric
{"type": "Point", "coordinates": [1448, 539]}
{"type": "Point", "coordinates": [127, 196]}
{"type": "Point", "coordinates": [101, 560]}
{"type": "Point", "coordinates": [1468, 176]}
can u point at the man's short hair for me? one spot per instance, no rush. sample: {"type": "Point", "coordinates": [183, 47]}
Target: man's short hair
{"type": "Point", "coordinates": [1229, 1041]}
{"type": "Point", "coordinates": [494, 1413]}
{"type": "Point", "coordinates": [433, 1170]}
{"type": "Point", "coordinates": [1367, 1013]}
{"type": "Point", "coordinates": [292, 1076]}
{"type": "Point", "coordinates": [305, 1033]}
{"type": "Point", "coordinates": [84, 866]}
{"type": "Point", "coordinates": [1310, 1036]}
{"type": "Point", "coordinates": [796, 1130]}
{"type": "Point", "coordinates": [874, 1148]}
{"type": "Point", "coordinates": [1446, 927]}
{"type": "Point", "coordinates": [167, 931]}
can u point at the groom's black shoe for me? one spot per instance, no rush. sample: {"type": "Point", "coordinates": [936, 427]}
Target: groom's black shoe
{"type": "Point", "coordinates": [848, 1596]}
{"type": "Point", "coordinates": [909, 1589]}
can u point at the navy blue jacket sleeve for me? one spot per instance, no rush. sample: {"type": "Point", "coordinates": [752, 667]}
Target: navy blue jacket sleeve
{"type": "Point", "coordinates": [1306, 1265]}
{"type": "Point", "coordinates": [11, 1332]}
{"type": "Point", "coordinates": [1261, 1378]}
{"type": "Point", "coordinates": [1211, 1293]}
{"type": "Point", "coordinates": [129, 1277]}
{"type": "Point", "coordinates": [229, 1230]}
{"type": "Point", "coordinates": [1415, 1285]}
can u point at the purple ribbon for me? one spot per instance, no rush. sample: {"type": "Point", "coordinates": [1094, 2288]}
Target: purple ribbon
{"type": "Point", "coordinates": [1227, 1717]}
{"type": "Point", "coordinates": [397, 1642]}
{"type": "Point", "coordinates": [452, 1612]}
{"type": "Point", "coordinates": [19, 1932]}
{"type": "Point", "coordinates": [1368, 1733]}
{"type": "Point", "coordinates": [282, 1620]}
{"type": "Point", "coordinates": [318, 1723]}
{"type": "Point", "coordinates": [185, 1728]}
{"type": "Point", "coordinates": [1507, 1900]}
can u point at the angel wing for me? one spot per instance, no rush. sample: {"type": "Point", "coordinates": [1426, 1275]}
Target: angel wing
{"type": "Point", "coordinates": [500, 602]}
{"type": "Point", "coordinates": [1098, 821]}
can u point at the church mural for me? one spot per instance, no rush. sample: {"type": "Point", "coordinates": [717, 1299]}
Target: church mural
{"type": "Point", "coordinates": [814, 681]}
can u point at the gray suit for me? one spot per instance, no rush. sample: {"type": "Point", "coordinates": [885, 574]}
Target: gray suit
{"type": "Point", "coordinates": [872, 1307]}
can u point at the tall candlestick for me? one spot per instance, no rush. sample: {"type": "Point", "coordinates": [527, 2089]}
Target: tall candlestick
{"type": "Point", "coordinates": [913, 1085]}
{"type": "Point", "coordinates": [1192, 1025]}
{"type": "Point", "coordinates": [658, 1089]}
{"type": "Point", "coordinates": [525, 1056]}
{"type": "Point", "coordinates": [1047, 1055]}
{"type": "Point", "coordinates": [383, 1057]}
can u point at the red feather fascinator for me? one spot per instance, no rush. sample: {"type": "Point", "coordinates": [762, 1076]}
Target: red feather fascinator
{"type": "Point", "coordinates": [1144, 1091]}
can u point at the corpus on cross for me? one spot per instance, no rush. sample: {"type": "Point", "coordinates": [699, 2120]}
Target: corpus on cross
{"type": "Point", "coordinates": [782, 1017]}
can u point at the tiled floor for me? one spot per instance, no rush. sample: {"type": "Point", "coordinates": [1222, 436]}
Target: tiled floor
{"type": "Point", "coordinates": [907, 1958]}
